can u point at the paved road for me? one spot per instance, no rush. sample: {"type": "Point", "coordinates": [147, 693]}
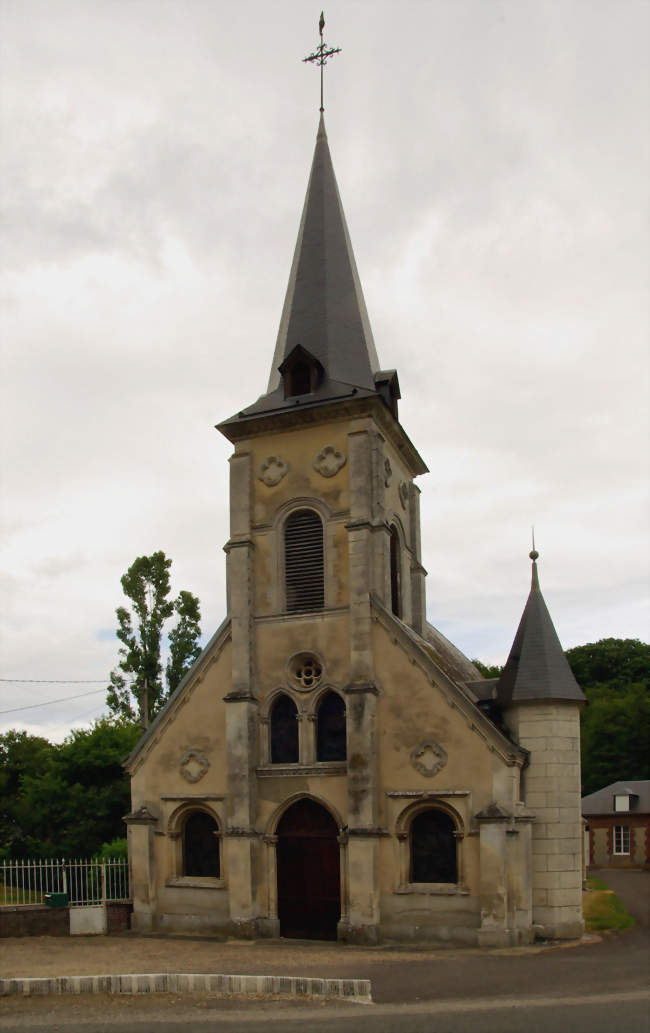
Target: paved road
{"type": "Point", "coordinates": [599, 1013]}
{"type": "Point", "coordinates": [633, 888]}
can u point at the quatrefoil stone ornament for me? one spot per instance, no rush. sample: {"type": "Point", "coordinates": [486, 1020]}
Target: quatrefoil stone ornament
{"type": "Point", "coordinates": [403, 493]}
{"type": "Point", "coordinates": [193, 765]}
{"type": "Point", "coordinates": [388, 472]}
{"type": "Point", "coordinates": [272, 470]}
{"type": "Point", "coordinates": [329, 461]}
{"type": "Point", "coordinates": [428, 758]}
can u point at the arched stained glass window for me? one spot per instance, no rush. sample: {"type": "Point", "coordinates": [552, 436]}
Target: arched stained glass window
{"type": "Point", "coordinates": [330, 724]}
{"type": "Point", "coordinates": [284, 731]}
{"type": "Point", "coordinates": [433, 848]}
{"type": "Point", "coordinates": [201, 846]}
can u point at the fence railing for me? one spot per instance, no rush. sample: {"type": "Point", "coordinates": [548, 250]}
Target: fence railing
{"type": "Point", "coordinates": [86, 882]}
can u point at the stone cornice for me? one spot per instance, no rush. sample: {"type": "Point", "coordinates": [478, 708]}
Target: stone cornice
{"type": "Point", "coordinates": [334, 411]}
{"type": "Point", "coordinates": [302, 770]}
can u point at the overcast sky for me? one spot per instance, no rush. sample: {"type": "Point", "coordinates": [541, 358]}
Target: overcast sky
{"type": "Point", "coordinates": [492, 157]}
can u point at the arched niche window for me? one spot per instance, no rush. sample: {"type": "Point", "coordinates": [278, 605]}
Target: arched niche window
{"type": "Point", "coordinates": [395, 573]}
{"type": "Point", "coordinates": [201, 846]}
{"type": "Point", "coordinates": [303, 561]}
{"type": "Point", "coordinates": [433, 847]}
{"type": "Point", "coordinates": [284, 731]}
{"type": "Point", "coordinates": [330, 728]}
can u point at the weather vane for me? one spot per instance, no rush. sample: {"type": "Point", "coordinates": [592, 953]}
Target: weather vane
{"type": "Point", "coordinates": [320, 55]}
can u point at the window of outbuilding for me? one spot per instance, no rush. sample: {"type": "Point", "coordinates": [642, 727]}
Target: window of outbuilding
{"type": "Point", "coordinates": [201, 846]}
{"type": "Point", "coordinates": [621, 839]}
{"type": "Point", "coordinates": [330, 728]}
{"type": "Point", "coordinates": [284, 731]}
{"type": "Point", "coordinates": [303, 561]}
{"type": "Point", "coordinates": [433, 848]}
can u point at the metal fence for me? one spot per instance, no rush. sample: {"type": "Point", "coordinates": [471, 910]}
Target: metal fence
{"type": "Point", "coordinates": [84, 882]}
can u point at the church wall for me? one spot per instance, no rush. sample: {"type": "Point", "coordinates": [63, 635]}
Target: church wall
{"type": "Point", "coordinates": [298, 448]}
{"type": "Point", "coordinates": [197, 722]}
{"type": "Point", "coordinates": [283, 477]}
{"type": "Point", "coordinates": [183, 766]}
{"type": "Point", "coordinates": [414, 720]}
{"type": "Point", "coordinates": [278, 640]}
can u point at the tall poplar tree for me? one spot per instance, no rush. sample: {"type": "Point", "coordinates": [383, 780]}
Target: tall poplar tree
{"type": "Point", "coordinates": [139, 674]}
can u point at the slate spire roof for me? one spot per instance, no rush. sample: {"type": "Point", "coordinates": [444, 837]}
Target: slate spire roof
{"type": "Point", "coordinates": [324, 310]}
{"type": "Point", "coordinates": [537, 668]}
{"type": "Point", "coordinates": [324, 319]}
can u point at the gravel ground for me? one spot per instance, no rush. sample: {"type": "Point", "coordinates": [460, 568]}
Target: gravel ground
{"type": "Point", "coordinates": [130, 953]}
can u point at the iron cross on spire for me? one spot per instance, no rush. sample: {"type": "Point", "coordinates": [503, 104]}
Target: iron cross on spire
{"type": "Point", "coordinates": [320, 55]}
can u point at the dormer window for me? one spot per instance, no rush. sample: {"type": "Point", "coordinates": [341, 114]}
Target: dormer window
{"type": "Point", "coordinates": [622, 802]}
{"type": "Point", "coordinates": [301, 372]}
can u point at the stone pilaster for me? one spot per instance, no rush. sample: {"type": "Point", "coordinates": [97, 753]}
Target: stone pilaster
{"type": "Point", "coordinates": [551, 732]}
{"type": "Point", "coordinates": [360, 550]}
{"type": "Point", "coordinates": [140, 825]}
{"type": "Point", "coordinates": [418, 573]}
{"type": "Point", "coordinates": [240, 840]}
{"type": "Point", "coordinates": [361, 694]}
{"type": "Point", "coordinates": [239, 571]}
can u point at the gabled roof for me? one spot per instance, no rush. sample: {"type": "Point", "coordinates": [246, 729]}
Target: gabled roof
{"type": "Point", "coordinates": [602, 801]}
{"type": "Point", "coordinates": [537, 668]}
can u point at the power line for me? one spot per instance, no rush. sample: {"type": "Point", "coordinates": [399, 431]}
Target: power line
{"type": "Point", "coordinates": [55, 681]}
{"type": "Point", "coordinates": [51, 702]}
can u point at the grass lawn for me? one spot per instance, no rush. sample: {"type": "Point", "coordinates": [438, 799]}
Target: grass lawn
{"type": "Point", "coordinates": [602, 909]}
{"type": "Point", "coordinates": [11, 895]}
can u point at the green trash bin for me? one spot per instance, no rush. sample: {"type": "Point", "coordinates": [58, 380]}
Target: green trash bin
{"type": "Point", "coordinates": [56, 899]}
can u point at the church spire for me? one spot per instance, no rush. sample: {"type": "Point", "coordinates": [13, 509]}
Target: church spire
{"type": "Point", "coordinates": [324, 310]}
{"type": "Point", "coordinates": [537, 668]}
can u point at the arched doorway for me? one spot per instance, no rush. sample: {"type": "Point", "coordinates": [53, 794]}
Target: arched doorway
{"type": "Point", "coordinates": [309, 880]}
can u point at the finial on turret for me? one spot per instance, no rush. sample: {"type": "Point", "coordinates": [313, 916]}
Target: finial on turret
{"type": "Point", "coordinates": [534, 553]}
{"type": "Point", "coordinates": [320, 56]}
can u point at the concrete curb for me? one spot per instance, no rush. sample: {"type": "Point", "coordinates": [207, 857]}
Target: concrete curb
{"type": "Point", "coordinates": [354, 990]}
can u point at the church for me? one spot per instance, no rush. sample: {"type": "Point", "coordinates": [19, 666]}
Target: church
{"type": "Point", "coordinates": [332, 767]}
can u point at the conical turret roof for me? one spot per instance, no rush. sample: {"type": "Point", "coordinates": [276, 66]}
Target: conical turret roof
{"type": "Point", "coordinates": [537, 668]}
{"type": "Point", "coordinates": [324, 309]}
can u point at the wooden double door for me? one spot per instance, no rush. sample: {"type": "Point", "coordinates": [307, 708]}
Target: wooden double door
{"type": "Point", "coordinates": [309, 875]}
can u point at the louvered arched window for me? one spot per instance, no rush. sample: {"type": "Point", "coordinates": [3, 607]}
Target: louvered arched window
{"type": "Point", "coordinates": [303, 561]}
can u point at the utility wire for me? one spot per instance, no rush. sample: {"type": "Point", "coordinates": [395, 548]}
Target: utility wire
{"type": "Point", "coordinates": [55, 681]}
{"type": "Point", "coordinates": [51, 702]}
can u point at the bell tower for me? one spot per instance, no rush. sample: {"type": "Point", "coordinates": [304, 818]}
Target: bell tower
{"type": "Point", "coordinates": [324, 516]}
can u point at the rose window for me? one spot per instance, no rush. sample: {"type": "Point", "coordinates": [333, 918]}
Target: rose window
{"type": "Point", "coordinates": [305, 671]}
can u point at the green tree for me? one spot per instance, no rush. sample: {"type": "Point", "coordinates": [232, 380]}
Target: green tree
{"type": "Point", "coordinates": [184, 647]}
{"type": "Point", "coordinates": [614, 675]}
{"type": "Point", "coordinates": [140, 630]}
{"type": "Point", "coordinates": [76, 800]}
{"type": "Point", "coordinates": [20, 754]}
{"type": "Point", "coordinates": [488, 670]}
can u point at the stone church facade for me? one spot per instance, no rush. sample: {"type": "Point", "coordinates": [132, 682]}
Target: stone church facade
{"type": "Point", "coordinates": [332, 767]}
